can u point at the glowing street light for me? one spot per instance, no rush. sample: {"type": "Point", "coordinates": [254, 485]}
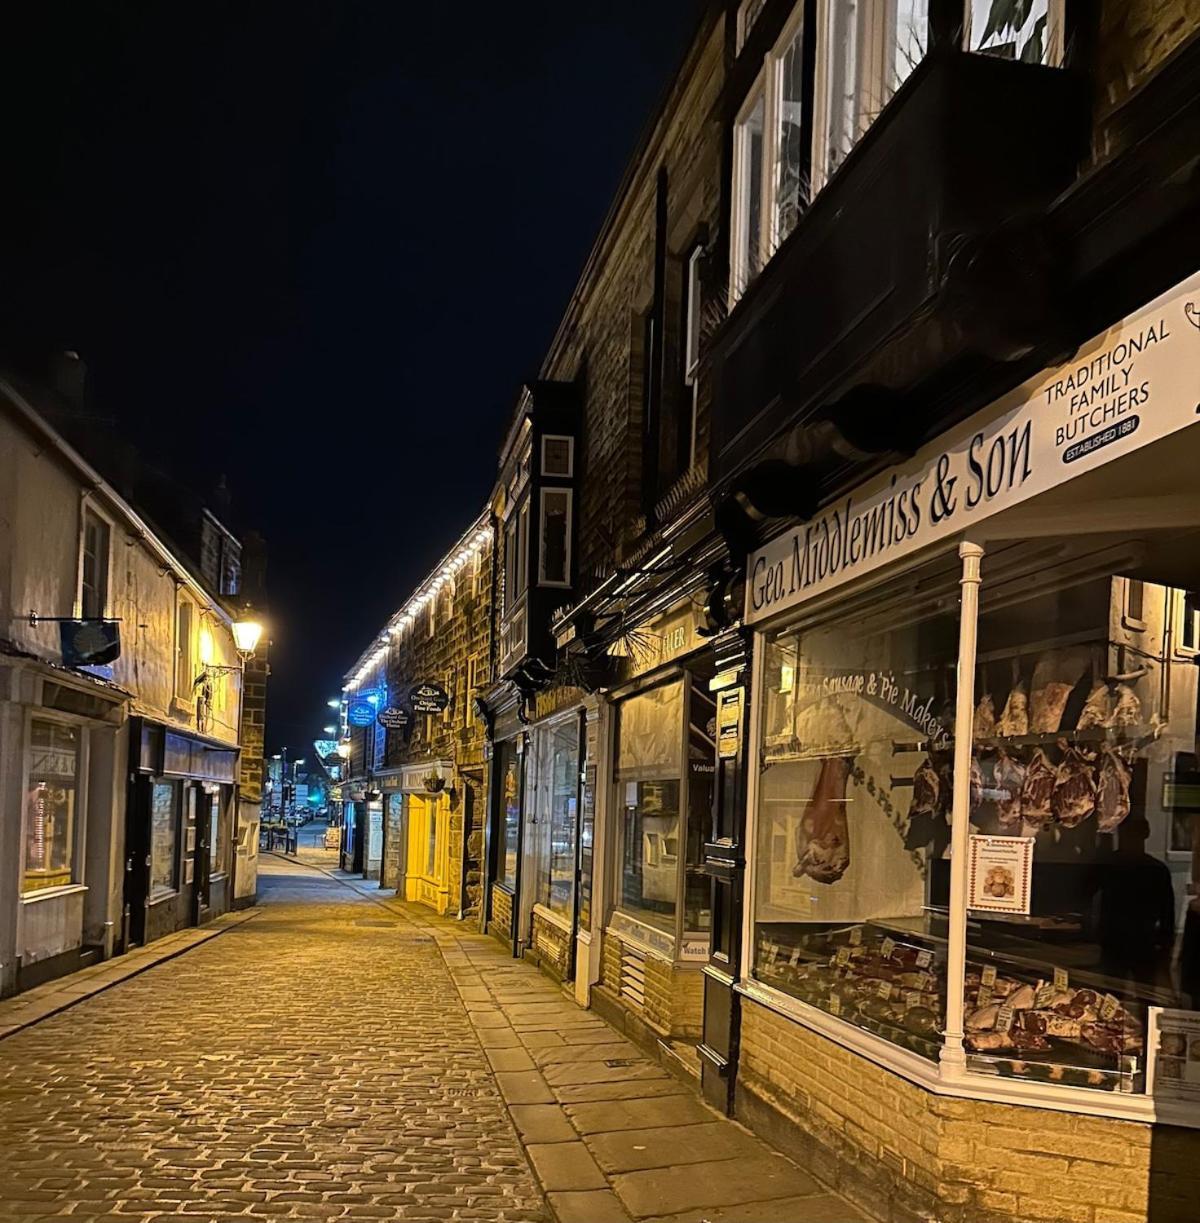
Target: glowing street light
{"type": "Point", "coordinates": [246, 635]}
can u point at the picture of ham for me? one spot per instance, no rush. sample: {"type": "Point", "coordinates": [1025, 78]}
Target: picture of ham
{"type": "Point", "coordinates": [1015, 718]}
{"type": "Point", "coordinates": [1010, 781]}
{"type": "Point", "coordinates": [1037, 793]}
{"type": "Point", "coordinates": [823, 835]}
{"type": "Point", "coordinates": [1074, 797]}
{"type": "Point", "coordinates": [1112, 791]}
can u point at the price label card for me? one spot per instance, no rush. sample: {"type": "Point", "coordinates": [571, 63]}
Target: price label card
{"type": "Point", "coordinates": [1004, 1019]}
{"type": "Point", "coordinates": [912, 998]}
{"type": "Point", "coordinates": [1061, 979]}
{"type": "Point", "coordinates": [1044, 994]}
{"type": "Point", "coordinates": [835, 1004]}
{"type": "Point", "coordinates": [989, 975]}
{"type": "Point", "coordinates": [985, 996]}
{"type": "Point", "coordinates": [885, 990]}
{"type": "Point", "coordinates": [887, 947]}
{"type": "Point", "coordinates": [924, 959]}
{"type": "Point", "coordinates": [856, 937]}
{"type": "Point", "coordinates": [843, 956]}
{"type": "Point", "coordinates": [1109, 1006]}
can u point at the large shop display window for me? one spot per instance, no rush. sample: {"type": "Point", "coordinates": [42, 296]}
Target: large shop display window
{"type": "Point", "coordinates": [557, 886]}
{"type": "Point", "coordinates": [849, 709]}
{"type": "Point", "coordinates": [1084, 839]}
{"type": "Point", "coordinates": [51, 801]}
{"type": "Point", "coordinates": [664, 778]}
{"type": "Point", "coordinates": [511, 761]}
{"type": "Point", "coordinates": [164, 838]}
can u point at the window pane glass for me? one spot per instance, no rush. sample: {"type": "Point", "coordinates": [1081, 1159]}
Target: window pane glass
{"type": "Point", "coordinates": [648, 769]}
{"type": "Point", "coordinates": [587, 838]}
{"type": "Point", "coordinates": [558, 892]}
{"type": "Point", "coordinates": [748, 258]}
{"type": "Point", "coordinates": [556, 509]}
{"type": "Point", "coordinates": [1020, 30]}
{"type": "Point", "coordinates": [510, 781]}
{"type": "Point", "coordinates": [431, 838]}
{"type": "Point", "coordinates": [1086, 751]}
{"type": "Point", "coordinates": [697, 891]}
{"type": "Point", "coordinates": [909, 40]}
{"type": "Point", "coordinates": [164, 833]}
{"type": "Point", "coordinates": [95, 567]}
{"type": "Point", "coordinates": [50, 799]}
{"type": "Point", "coordinates": [843, 100]}
{"type": "Point", "coordinates": [791, 187]}
{"type": "Point", "coordinates": [853, 812]}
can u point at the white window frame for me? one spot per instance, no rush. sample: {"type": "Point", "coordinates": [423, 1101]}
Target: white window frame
{"type": "Point", "coordinates": [559, 437]}
{"type": "Point", "coordinates": [79, 817]}
{"type": "Point", "coordinates": [543, 580]}
{"type": "Point", "coordinates": [745, 21]}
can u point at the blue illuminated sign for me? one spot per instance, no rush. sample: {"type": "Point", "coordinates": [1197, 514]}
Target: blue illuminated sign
{"type": "Point", "coordinates": [361, 713]}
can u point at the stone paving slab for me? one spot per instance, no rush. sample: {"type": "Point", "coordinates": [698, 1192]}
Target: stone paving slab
{"type": "Point", "coordinates": [670, 1146]}
{"type": "Point", "coordinates": [724, 1182]}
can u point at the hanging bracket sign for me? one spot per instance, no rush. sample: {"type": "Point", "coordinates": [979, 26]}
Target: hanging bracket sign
{"type": "Point", "coordinates": [393, 718]}
{"type": "Point", "coordinates": [427, 698]}
{"type": "Point", "coordinates": [360, 713]}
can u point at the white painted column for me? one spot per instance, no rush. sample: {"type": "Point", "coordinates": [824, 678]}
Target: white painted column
{"type": "Point", "coordinates": [953, 1057]}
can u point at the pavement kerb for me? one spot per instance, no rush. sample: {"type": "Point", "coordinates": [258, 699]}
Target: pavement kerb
{"type": "Point", "coordinates": [108, 974]}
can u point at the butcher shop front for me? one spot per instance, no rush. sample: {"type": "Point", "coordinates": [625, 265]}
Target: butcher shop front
{"type": "Point", "coordinates": [972, 943]}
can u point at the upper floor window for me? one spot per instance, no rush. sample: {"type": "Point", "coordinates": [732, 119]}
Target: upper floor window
{"type": "Point", "coordinates": [691, 344]}
{"type": "Point", "coordinates": [1027, 30]}
{"type": "Point", "coordinates": [558, 455]}
{"type": "Point", "coordinates": [184, 627]}
{"type": "Point", "coordinates": [554, 564]}
{"type": "Point", "coordinates": [93, 578]}
{"type": "Point", "coordinates": [747, 14]}
{"type": "Point", "coordinates": [516, 555]}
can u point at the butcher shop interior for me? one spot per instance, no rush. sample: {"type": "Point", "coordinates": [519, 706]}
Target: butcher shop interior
{"type": "Point", "coordinates": [1084, 763]}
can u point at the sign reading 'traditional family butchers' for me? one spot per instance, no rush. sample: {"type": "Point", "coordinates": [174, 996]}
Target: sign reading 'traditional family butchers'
{"type": "Point", "coordinates": [1135, 384]}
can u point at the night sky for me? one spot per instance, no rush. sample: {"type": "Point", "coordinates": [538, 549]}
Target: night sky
{"type": "Point", "coordinates": [316, 247]}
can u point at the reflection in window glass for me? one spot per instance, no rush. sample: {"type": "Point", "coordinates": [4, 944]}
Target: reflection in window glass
{"type": "Point", "coordinates": [1021, 31]}
{"type": "Point", "coordinates": [558, 886]}
{"type": "Point", "coordinates": [648, 768]}
{"type": "Point", "coordinates": [50, 800]}
{"type": "Point", "coordinates": [791, 191]}
{"type": "Point", "coordinates": [1085, 743]}
{"type": "Point", "coordinates": [908, 43]}
{"type": "Point", "coordinates": [510, 783]}
{"type": "Point", "coordinates": [431, 836]}
{"type": "Point", "coordinates": [216, 845]}
{"type": "Point", "coordinates": [164, 837]}
{"type": "Point", "coordinates": [556, 537]}
{"type": "Point", "coordinates": [702, 750]}
{"type": "Point", "coordinates": [853, 811]}
{"type": "Point", "coordinates": [749, 147]}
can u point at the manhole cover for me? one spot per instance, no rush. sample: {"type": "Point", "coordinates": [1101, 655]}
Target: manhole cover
{"type": "Point", "coordinates": [617, 1062]}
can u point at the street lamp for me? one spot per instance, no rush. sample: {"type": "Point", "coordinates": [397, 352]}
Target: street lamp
{"type": "Point", "coordinates": [246, 635]}
{"type": "Point", "coordinates": [334, 703]}
{"type": "Point", "coordinates": [330, 730]}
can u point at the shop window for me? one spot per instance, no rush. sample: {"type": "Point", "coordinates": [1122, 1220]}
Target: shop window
{"type": "Point", "coordinates": [1027, 30]}
{"type": "Point", "coordinates": [510, 791]}
{"type": "Point", "coordinates": [853, 813]}
{"type": "Point", "coordinates": [558, 456]}
{"type": "Point", "coordinates": [93, 587]}
{"type": "Point", "coordinates": [184, 666]}
{"type": "Point", "coordinates": [554, 564]}
{"type": "Point", "coordinates": [164, 838]}
{"type": "Point", "coordinates": [557, 891]}
{"type": "Point", "coordinates": [216, 832]}
{"type": "Point", "coordinates": [51, 803]}
{"type": "Point", "coordinates": [648, 774]}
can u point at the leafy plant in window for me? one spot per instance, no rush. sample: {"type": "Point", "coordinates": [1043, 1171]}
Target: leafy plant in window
{"type": "Point", "coordinates": [1016, 29]}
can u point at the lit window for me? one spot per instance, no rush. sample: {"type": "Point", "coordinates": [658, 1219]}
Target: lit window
{"type": "Point", "coordinates": [51, 798]}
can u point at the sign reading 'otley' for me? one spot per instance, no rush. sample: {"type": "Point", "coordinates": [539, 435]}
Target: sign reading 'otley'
{"type": "Point", "coordinates": [1135, 384]}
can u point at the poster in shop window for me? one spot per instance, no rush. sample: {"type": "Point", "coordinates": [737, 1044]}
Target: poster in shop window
{"type": "Point", "coordinates": [999, 874]}
{"type": "Point", "coordinates": [1173, 1062]}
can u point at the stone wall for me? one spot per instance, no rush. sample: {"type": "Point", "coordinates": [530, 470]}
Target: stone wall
{"type": "Point", "coordinates": [673, 1005]}
{"type": "Point", "coordinates": [552, 947]}
{"type": "Point", "coordinates": [500, 924]}
{"type": "Point", "coordinates": [905, 1154]}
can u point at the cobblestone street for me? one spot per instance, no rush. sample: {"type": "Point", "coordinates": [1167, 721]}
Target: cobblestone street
{"type": "Point", "coordinates": [314, 1063]}
{"type": "Point", "coordinates": [335, 1057]}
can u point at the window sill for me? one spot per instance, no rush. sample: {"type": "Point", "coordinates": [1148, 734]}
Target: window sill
{"type": "Point", "coordinates": [161, 897]}
{"type": "Point", "coordinates": [66, 889]}
{"type": "Point", "coordinates": [555, 919]}
{"type": "Point", "coordinates": [969, 1086]}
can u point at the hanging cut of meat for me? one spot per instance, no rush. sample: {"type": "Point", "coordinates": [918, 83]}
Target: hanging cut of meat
{"type": "Point", "coordinates": [924, 803]}
{"type": "Point", "coordinates": [1074, 797]}
{"type": "Point", "coordinates": [1015, 718]}
{"type": "Point", "coordinates": [1048, 703]}
{"type": "Point", "coordinates": [1110, 705]}
{"type": "Point", "coordinates": [1112, 791]}
{"type": "Point", "coordinates": [1038, 791]}
{"type": "Point", "coordinates": [1128, 711]}
{"type": "Point", "coordinates": [1010, 781]}
{"type": "Point", "coordinates": [984, 724]}
{"type": "Point", "coordinates": [823, 834]}
{"type": "Point", "coordinates": [976, 785]}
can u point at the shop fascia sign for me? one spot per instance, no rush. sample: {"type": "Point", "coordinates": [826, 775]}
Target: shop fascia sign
{"type": "Point", "coordinates": [427, 698]}
{"type": "Point", "coordinates": [1136, 383]}
{"type": "Point", "coordinates": [360, 712]}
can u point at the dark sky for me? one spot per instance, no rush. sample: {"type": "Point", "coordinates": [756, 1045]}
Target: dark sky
{"type": "Point", "coordinates": [317, 247]}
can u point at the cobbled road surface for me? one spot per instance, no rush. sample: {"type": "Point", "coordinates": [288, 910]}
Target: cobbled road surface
{"type": "Point", "coordinates": [313, 1063]}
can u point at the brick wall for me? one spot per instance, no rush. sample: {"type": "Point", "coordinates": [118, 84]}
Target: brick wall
{"type": "Point", "coordinates": [674, 995]}
{"type": "Point", "coordinates": [254, 712]}
{"type": "Point", "coordinates": [904, 1154]}
{"type": "Point", "coordinates": [500, 925]}
{"type": "Point", "coordinates": [552, 947]}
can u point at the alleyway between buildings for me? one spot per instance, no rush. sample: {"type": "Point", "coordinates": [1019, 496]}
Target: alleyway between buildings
{"type": "Point", "coordinates": [335, 1057]}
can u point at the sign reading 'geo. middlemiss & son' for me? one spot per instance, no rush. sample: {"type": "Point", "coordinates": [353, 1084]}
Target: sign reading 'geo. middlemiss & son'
{"type": "Point", "coordinates": [1133, 385]}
